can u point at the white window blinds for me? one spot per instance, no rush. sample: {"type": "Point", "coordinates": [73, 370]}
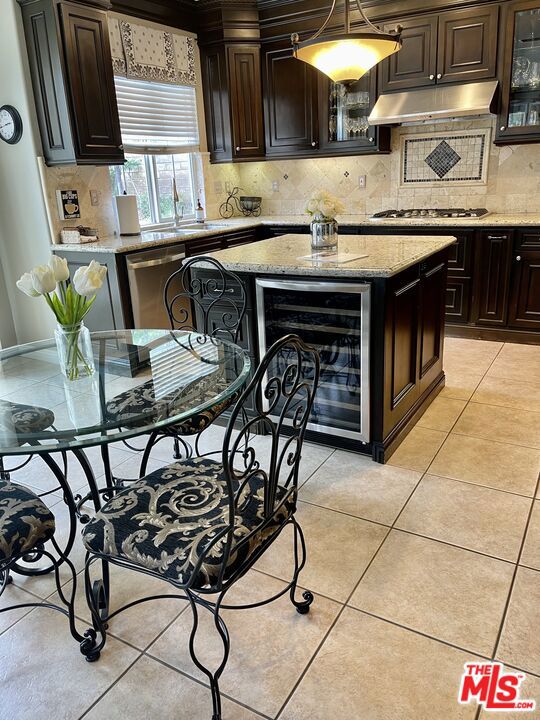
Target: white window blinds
{"type": "Point", "coordinates": [157, 117]}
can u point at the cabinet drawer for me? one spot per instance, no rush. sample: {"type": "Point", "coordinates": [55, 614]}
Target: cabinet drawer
{"type": "Point", "coordinates": [458, 293]}
{"type": "Point", "coordinates": [201, 247]}
{"type": "Point", "coordinates": [233, 290]}
{"type": "Point", "coordinates": [527, 240]}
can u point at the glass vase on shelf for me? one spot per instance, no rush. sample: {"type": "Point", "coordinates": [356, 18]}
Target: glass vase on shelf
{"type": "Point", "coordinates": [75, 353]}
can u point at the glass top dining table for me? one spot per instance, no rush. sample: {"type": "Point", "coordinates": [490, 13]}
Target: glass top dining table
{"type": "Point", "coordinates": [181, 374]}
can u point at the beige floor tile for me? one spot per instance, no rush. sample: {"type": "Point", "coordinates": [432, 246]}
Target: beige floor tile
{"type": "Point", "coordinates": [448, 593]}
{"type": "Point", "coordinates": [14, 595]}
{"type": "Point", "coordinates": [140, 625]}
{"type": "Point", "coordinates": [471, 516]}
{"type": "Point", "coordinates": [180, 698]}
{"type": "Point", "coordinates": [475, 354]}
{"type": "Point", "coordinates": [355, 484]}
{"type": "Point", "coordinates": [339, 548]}
{"type": "Point", "coordinates": [460, 384]}
{"type": "Point", "coordinates": [512, 361]}
{"type": "Point", "coordinates": [270, 646]}
{"type": "Point", "coordinates": [418, 449]}
{"type": "Point", "coordinates": [518, 427]}
{"type": "Point", "coordinates": [441, 414]}
{"type": "Point", "coordinates": [531, 549]}
{"type": "Point", "coordinates": [485, 462]}
{"type": "Point", "coordinates": [372, 670]}
{"type": "Point", "coordinates": [508, 393]}
{"type": "Point", "coordinates": [43, 673]}
{"type": "Point", "coordinates": [313, 456]}
{"type": "Point", "coordinates": [529, 690]}
{"type": "Point", "coordinates": [520, 639]}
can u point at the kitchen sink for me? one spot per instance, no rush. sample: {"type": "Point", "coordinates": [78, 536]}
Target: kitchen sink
{"type": "Point", "coordinates": [201, 226]}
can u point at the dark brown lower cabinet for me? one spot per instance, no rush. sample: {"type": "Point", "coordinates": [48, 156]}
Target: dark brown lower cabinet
{"type": "Point", "coordinates": [525, 291]}
{"type": "Point", "coordinates": [431, 322]}
{"type": "Point", "coordinates": [492, 269]}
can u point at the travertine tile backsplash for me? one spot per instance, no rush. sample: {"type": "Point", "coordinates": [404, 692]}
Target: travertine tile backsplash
{"type": "Point", "coordinates": [513, 182]}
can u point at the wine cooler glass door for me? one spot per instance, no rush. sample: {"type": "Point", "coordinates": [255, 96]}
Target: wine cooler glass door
{"type": "Point", "coordinates": [333, 317]}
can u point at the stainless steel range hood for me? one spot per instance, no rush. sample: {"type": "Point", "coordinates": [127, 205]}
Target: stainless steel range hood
{"type": "Point", "coordinates": [439, 101]}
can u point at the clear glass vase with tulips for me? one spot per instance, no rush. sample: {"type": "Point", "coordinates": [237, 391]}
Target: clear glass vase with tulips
{"type": "Point", "coordinates": [70, 299]}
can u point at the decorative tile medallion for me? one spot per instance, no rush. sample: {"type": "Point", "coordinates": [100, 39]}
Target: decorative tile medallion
{"type": "Point", "coordinates": [457, 159]}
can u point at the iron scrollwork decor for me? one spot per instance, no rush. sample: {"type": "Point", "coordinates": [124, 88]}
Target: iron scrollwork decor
{"type": "Point", "coordinates": [200, 524]}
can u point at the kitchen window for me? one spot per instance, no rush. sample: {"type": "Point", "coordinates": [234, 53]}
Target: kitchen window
{"type": "Point", "coordinates": [161, 138]}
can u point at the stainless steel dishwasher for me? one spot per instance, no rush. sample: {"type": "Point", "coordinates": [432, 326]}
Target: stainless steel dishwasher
{"type": "Point", "coordinates": [148, 271]}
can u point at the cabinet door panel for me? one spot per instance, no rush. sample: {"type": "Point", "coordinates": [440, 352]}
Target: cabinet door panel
{"type": "Point", "coordinates": [467, 47]}
{"type": "Point", "coordinates": [458, 292]}
{"type": "Point", "coordinates": [460, 254]}
{"type": "Point", "coordinates": [492, 278]}
{"type": "Point", "coordinates": [93, 98]}
{"type": "Point", "coordinates": [290, 102]}
{"type": "Point", "coordinates": [524, 311]}
{"type": "Point", "coordinates": [216, 103]}
{"type": "Point", "coordinates": [414, 65]}
{"type": "Point", "coordinates": [401, 352]}
{"type": "Point", "coordinates": [431, 324]}
{"type": "Point", "coordinates": [245, 83]}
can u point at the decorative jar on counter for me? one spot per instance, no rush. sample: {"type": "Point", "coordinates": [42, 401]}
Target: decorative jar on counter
{"type": "Point", "coordinates": [324, 234]}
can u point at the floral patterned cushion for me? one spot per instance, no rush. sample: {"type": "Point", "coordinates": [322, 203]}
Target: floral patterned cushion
{"type": "Point", "coordinates": [166, 522]}
{"type": "Point", "coordinates": [139, 406]}
{"type": "Point", "coordinates": [25, 520]}
{"type": "Point", "coordinates": [24, 419]}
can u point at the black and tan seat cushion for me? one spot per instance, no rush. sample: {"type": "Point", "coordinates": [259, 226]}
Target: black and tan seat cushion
{"type": "Point", "coordinates": [139, 406]}
{"type": "Point", "coordinates": [24, 419]}
{"type": "Point", "coordinates": [166, 522]}
{"type": "Point", "coordinates": [25, 521]}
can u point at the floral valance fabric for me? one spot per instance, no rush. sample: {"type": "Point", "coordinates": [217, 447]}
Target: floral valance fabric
{"type": "Point", "coordinates": [147, 53]}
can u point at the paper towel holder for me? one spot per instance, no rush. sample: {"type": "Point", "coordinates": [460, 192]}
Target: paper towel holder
{"type": "Point", "coordinates": [127, 214]}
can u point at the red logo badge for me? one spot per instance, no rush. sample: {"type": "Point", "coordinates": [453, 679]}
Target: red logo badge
{"type": "Point", "coordinates": [490, 685]}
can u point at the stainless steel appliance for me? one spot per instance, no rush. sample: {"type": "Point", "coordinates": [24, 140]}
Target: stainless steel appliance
{"type": "Point", "coordinates": [148, 271]}
{"type": "Point", "coordinates": [334, 317]}
{"type": "Point", "coordinates": [417, 213]}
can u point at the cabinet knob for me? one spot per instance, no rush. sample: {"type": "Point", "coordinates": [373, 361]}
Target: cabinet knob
{"type": "Point", "coordinates": [432, 77]}
{"type": "Point", "coordinates": [503, 127]}
{"type": "Point", "coordinates": [371, 139]}
{"type": "Point", "coordinates": [314, 144]}
{"type": "Point", "coordinates": [238, 148]}
{"type": "Point", "coordinates": [518, 257]}
{"type": "Point", "coordinates": [439, 76]}
{"type": "Point", "coordinates": [120, 147]}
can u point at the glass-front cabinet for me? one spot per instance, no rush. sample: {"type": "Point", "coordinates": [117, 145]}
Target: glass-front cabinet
{"type": "Point", "coordinates": [519, 120]}
{"type": "Point", "coordinates": [343, 117]}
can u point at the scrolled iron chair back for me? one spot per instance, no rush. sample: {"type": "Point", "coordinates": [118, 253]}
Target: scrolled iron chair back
{"type": "Point", "coordinates": [222, 291]}
{"type": "Point", "coordinates": [282, 399]}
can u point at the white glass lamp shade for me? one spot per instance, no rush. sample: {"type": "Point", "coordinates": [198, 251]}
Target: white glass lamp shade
{"type": "Point", "coordinates": [347, 57]}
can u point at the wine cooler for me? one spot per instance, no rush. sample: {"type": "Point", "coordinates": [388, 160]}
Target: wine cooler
{"type": "Point", "coordinates": [334, 317]}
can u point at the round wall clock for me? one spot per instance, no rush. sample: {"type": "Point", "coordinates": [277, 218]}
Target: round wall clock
{"type": "Point", "coordinates": [11, 126]}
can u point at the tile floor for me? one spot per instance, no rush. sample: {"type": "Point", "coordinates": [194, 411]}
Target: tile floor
{"type": "Point", "coordinates": [417, 567]}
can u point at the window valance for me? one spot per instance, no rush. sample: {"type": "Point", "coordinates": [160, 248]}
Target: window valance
{"type": "Point", "coordinates": [147, 53]}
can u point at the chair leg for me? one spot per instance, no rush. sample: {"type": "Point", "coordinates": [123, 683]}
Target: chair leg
{"type": "Point", "coordinates": [219, 623]}
{"type": "Point", "coordinates": [146, 454]}
{"type": "Point", "coordinates": [89, 647]}
{"type": "Point", "coordinates": [302, 606]}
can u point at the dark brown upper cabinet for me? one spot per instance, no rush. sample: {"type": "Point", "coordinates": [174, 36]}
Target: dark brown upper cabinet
{"type": "Point", "coordinates": [246, 101]}
{"type": "Point", "coordinates": [454, 46]}
{"type": "Point", "coordinates": [519, 119]}
{"type": "Point", "coordinates": [343, 117]}
{"type": "Point", "coordinates": [233, 101]}
{"type": "Point", "coordinates": [415, 64]}
{"type": "Point", "coordinates": [71, 69]}
{"type": "Point", "coordinates": [290, 104]}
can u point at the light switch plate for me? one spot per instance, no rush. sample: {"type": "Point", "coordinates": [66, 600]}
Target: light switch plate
{"type": "Point", "coordinates": [228, 186]}
{"type": "Point", "coordinates": [275, 186]}
{"type": "Point", "coordinates": [94, 197]}
{"type": "Point", "coordinates": [362, 181]}
{"type": "Point", "coordinates": [218, 187]}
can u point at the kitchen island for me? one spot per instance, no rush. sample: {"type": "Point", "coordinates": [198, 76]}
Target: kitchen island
{"type": "Point", "coordinates": [376, 316]}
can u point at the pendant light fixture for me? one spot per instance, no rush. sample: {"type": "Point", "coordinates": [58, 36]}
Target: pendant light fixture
{"type": "Point", "coordinates": [346, 56]}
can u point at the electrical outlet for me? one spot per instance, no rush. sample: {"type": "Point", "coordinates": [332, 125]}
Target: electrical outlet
{"type": "Point", "coordinates": [362, 179]}
{"type": "Point", "coordinates": [218, 187]}
{"type": "Point", "coordinates": [275, 186]}
{"type": "Point", "coordinates": [228, 186]}
{"type": "Point", "coordinates": [94, 197]}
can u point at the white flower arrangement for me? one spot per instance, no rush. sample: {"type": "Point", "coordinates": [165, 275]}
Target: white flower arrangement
{"type": "Point", "coordinates": [324, 207]}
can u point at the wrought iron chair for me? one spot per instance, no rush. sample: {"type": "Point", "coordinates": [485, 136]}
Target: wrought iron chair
{"type": "Point", "coordinates": [21, 420]}
{"type": "Point", "coordinates": [200, 524]}
{"type": "Point", "coordinates": [200, 296]}
{"type": "Point", "coordinates": [26, 525]}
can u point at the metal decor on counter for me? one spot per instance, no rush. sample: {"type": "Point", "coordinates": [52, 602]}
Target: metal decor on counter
{"type": "Point", "coordinates": [248, 205]}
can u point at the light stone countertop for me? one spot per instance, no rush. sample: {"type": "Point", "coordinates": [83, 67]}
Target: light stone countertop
{"type": "Point", "coordinates": [117, 244]}
{"type": "Point", "coordinates": [387, 255]}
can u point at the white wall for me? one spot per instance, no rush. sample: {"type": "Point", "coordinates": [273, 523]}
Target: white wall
{"type": "Point", "coordinates": [24, 231]}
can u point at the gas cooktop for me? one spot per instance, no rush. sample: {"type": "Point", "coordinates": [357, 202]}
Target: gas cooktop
{"type": "Point", "coordinates": [431, 213]}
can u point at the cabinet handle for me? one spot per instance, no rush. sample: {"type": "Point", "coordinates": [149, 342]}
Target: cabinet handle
{"type": "Point", "coordinates": [497, 237]}
{"type": "Point", "coordinates": [439, 76]}
{"type": "Point", "coordinates": [227, 290]}
{"type": "Point", "coordinates": [432, 77]}
{"type": "Point", "coordinates": [518, 257]}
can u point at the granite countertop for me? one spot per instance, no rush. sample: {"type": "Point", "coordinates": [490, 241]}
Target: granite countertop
{"type": "Point", "coordinates": [386, 255]}
{"type": "Point", "coordinates": [117, 244]}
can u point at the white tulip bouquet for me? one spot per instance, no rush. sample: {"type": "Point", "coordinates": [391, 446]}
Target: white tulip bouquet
{"type": "Point", "coordinates": [323, 207]}
{"type": "Point", "coordinates": [70, 300]}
